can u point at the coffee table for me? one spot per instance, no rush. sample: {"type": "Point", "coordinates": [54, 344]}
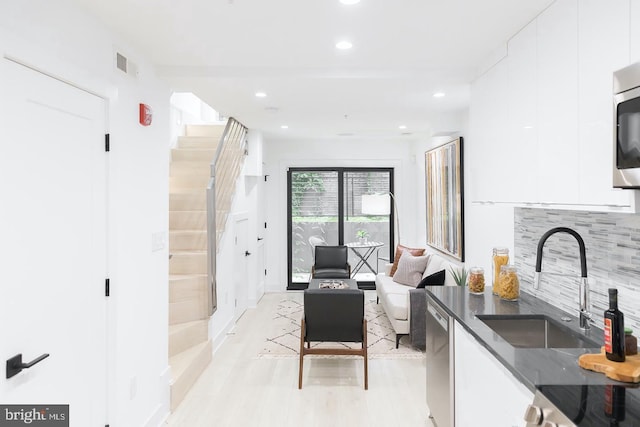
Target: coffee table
{"type": "Point", "coordinates": [315, 283]}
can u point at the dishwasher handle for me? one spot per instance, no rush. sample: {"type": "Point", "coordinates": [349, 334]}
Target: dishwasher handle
{"type": "Point", "coordinates": [439, 316]}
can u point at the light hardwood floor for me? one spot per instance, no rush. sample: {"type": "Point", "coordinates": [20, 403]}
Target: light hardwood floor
{"type": "Point", "coordinates": [239, 389]}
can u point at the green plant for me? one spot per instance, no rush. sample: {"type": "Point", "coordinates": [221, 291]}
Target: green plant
{"type": "Point", "coordinates": [362, 234]}
{"type": "Point", "coordinates": [459, 275]}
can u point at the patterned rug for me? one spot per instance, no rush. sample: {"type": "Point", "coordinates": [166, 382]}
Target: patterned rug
{"type": "Point", "coordinates": [381, 336]}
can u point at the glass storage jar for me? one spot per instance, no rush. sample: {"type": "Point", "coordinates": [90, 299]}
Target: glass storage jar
{"type": "Point", "coordinates": [476, 280]}
{"type": "Point", "coordinates": [500, 258]}
{"type": "Point", "coordinates": [509, 284]}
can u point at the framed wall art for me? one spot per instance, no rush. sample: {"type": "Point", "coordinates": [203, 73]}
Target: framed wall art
{"type": "Point", "coordinates": [444, 197]}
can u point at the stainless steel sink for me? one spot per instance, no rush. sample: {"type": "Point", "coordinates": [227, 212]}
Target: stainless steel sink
{"type": "Point", "coordinates": [536, 331]}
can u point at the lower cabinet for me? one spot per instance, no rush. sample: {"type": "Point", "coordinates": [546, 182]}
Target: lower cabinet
{"type": "Point", "coordinates": [486, 393]}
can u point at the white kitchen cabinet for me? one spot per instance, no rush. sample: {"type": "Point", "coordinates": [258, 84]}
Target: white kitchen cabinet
{"type": "Point", "coordinates": [542, 118]}
{"type": "Point", "coordinates": [486, 393]}
{"type": "Point", "coordinates": [634, 19]}
{"type": "Point", "coordinates": [557, 106]}
{"type": "Point", "coordinates": [603, 43]}
{"type": "Point", "coordinates": [488, 158]}
{"type": "Point", "coordinates": [522, 122]}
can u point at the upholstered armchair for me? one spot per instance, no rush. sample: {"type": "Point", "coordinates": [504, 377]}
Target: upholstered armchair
{"type": "Point", "coordinates": [334, 315]}
{"type": "Point", "coordinates": [331, 263]}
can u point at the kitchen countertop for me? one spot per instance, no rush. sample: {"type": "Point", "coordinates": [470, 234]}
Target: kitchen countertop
{"type": "Point", "coordinates": [555, 372]}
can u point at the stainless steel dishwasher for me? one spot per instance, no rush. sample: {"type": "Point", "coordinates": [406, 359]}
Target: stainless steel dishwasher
{"type": "Point", "coordinates": [440, 367]}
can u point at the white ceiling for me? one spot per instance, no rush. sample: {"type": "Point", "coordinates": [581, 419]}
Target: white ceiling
{"type": "Point", "coordinates": [403, 51]}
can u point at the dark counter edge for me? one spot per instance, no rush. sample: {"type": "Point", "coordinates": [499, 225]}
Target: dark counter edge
{"type": "Point", "coordinates": [463, 307]}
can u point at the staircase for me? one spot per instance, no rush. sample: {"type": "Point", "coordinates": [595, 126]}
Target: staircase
{"type": "Point", "coordinates": [189, 344]}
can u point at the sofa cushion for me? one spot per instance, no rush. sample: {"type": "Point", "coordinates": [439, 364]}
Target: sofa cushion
{"type": "Point", "coordinates": [435, 279]}
{"type": "Point", "coordinates": [399, 250]}
{"type": "Point", "coordinates": [410, 269]}
{"type": "Point", "coordinates": [397, 305]}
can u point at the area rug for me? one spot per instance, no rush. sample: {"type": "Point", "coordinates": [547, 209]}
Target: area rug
{"type": "Point", "coordinates": [381, 337]}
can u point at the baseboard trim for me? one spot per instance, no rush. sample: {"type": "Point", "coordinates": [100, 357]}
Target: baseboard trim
{"type": "Point", "coordinates": [158, 418]}
{"type": "Point", "coordinates": [221, 336]}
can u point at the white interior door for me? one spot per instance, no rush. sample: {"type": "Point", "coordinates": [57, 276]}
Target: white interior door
{"type": "Point", "coordinates": [53, 245]}
{"type": "Point", "coordinates": [241, 267]}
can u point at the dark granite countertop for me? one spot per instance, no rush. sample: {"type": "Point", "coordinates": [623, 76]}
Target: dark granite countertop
{"type": "Point", "coordinates": [553, 371]}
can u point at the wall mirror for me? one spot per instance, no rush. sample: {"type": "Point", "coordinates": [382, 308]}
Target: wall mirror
{"type": "Point", "coordinates": [444, 188]}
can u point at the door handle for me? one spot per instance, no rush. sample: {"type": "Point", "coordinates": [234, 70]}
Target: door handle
{"type": "Point", "coordinates": [15, 365]}
{"type": "Point", "coordinates": [260, 238]}
{"type": "Point", "coordinates": [247, 253]}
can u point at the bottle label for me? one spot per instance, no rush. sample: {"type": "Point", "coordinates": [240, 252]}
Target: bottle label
{"type": "Point", "coordinates": [608, 400]}
{"type": "Point", "coordinates": [607, 336]}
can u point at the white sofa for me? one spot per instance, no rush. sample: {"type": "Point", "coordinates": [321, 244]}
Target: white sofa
{"type": "Point", "coordinates": [396, 301]}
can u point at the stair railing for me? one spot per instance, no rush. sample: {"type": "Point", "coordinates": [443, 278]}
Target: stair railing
{"type": "Point", "coordinates": [225, 169]}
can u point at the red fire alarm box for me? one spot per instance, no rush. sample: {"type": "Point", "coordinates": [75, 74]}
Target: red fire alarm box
{"type": "Point", "coordinates": [146, 115]}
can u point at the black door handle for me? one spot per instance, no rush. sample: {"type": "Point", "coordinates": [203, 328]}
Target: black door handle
{"type": "Point", "coordinates": [260, 238]}
{"type": "Point", "coordinates": [15, 365]}
{"type": "Point", "coordinates": [247, 253]}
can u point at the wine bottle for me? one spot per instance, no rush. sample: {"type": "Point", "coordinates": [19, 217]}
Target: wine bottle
{"type": "Point", "coordinates": [614, 329]}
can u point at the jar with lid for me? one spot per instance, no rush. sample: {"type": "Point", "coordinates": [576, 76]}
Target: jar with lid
{"type": "Point", "coordinates": [508, 283]}
{"type": "Point", "coordinates": [500, 258]}
{"type": "Point", "coordinates": [630, 342]}
{"type": "Point", "coordinates": [476, 280]}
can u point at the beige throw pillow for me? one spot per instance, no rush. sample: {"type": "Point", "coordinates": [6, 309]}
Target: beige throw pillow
{"type": "Point", "coordinates": [399, 250]}
{"type": "Point", "coordinates": [410, 269]}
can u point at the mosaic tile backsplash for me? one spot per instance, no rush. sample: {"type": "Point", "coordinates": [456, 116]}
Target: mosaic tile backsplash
{"type": "Point", "coordinates": [612, 242]}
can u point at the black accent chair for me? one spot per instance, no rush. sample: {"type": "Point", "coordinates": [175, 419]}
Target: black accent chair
{"type": "Point", "coordinates": [334, 315]}
{"type": "Point", "coordinates": [331, 263]}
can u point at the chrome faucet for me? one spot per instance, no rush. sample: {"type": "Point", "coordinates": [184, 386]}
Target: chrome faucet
{"type": "Point", "coordinates": [585, 314]}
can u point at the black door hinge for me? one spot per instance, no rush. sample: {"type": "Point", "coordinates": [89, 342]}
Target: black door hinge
{"type": "Point", "coordinates": [107, 289]}
{"type": "Point", "coordinates": [106, 142]}
{"type": "Point", "coordinates": [265, 271]}
{"type": "Point", "coordinates": [265, 225]}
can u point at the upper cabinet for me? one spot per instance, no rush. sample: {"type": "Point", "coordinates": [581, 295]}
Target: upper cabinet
{"type": "Point", "coordinates": [603, 47]}
{"type": "Point", "coordinates": [522, 119]}
{"type": "Point", "coordinates": [542, 117]}
{"type": "Point", "coordinates": [557, 70]}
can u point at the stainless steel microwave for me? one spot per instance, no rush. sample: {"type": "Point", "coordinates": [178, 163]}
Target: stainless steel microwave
{"type": "Point", "coordinates": [626, 127]}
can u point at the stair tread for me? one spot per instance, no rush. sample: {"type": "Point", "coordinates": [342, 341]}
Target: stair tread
{"type": "Point", "coordinates": [181, 361]}
{"type": "Point", "coordinates": [189, 252]}
{"type": "Point", "coordinates": [185, 325]}
{"type": "Point", "coordinates": [185, 276]}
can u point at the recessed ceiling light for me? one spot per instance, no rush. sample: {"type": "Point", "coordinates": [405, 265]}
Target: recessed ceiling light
{"type": "Point", "coordinates": [438, 94]}
{"type": "Point", "coordinates": [284, 127]}
{"type": "Point", "coordinates": [349, 1]}
{"type": "Point", "coordinates": [260, 94]}
{"type": "Point", "coordinates": [402, 127]}
{"type": "Point", "coordinates": [343, 45]}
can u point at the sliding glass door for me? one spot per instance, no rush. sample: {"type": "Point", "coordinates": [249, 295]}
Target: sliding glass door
{"type": "Point", "coordinates": [339, 206]}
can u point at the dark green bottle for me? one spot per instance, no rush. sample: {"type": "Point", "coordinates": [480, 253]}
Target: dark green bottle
{"type": "Point", "coordinates": [614, 329]}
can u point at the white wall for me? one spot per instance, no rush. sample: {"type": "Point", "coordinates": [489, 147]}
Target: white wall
{"type": "Point", "coordinates": [457, 123]}
{"type": "Point", "coordinates": [281, 155]}
{"type": "Point", "coordinates": [246, 205]}
{"type": "Point", "coordinates": [58, 38]}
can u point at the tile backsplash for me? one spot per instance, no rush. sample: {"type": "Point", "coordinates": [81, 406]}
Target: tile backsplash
{"type": "Point", "coordinates": [612, 242]}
